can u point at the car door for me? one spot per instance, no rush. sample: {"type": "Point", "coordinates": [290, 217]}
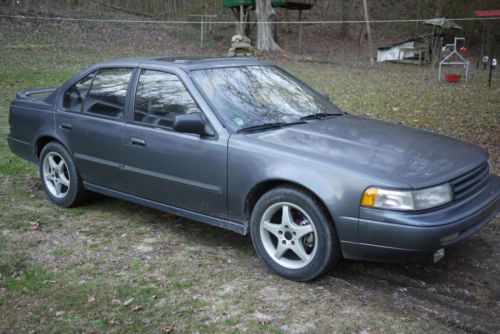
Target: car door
{"type": "Point", "coordinates": [91, 123]}
{"type": "Point", "coordinates": [177, 169]}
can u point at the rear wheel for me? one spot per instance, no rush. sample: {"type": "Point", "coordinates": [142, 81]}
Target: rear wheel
{"type": "Point", "coordinates": [59, 176]}
{"type": "Point", "coordinates": [293, 235]}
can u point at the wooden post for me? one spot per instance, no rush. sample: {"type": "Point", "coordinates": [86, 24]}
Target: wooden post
{"type": "Point", "coordinates": [201, 32]}
{"type": "Point", "coordinates": [248, 27]}
{"type": "Point", "coordinates": [288, 26]}
{"type": "Point", "coordinates": [492, 48]}
{"type": "Point", "coordinates": [433, 44]}
{"type": "Point", "coordinates": [204, 20]}
{"type": "Point", "coordinates": [209, 17]}
{"type": "Point", "coordinates": [481, 55]}
{"type": "Point", "coordinates": [275, 30]}
{"type": "Point", "coordinates": [242, 29]}
{"type": "Point", "coordinates": [367, 19]}
{"type": "Point", "coordinates": [481, 26]}
{"type": "Point", "coordinates": [417, 23]}
{"type": "Point", "coordinates": [300, 31]}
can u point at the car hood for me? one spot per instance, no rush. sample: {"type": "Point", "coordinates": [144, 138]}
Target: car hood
{"type": "Point", "coordinates": [387, 151]}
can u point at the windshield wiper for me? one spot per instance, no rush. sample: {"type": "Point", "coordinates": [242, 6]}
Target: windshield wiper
{"type": "Point", "coordinates": [320, 115]}
{"type": "Point", "coordinates": [267, 126]}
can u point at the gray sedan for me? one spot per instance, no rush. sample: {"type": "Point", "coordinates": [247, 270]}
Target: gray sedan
{"type": "Point", "coordinates": [244, 145]}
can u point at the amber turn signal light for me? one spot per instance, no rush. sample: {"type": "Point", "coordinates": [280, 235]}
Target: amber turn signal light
{"type": "Point", "coordinates": [369, 197]}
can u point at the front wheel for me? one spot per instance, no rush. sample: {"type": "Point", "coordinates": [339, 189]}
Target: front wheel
{"type": "Point", "coordinates": [59, 176]}
{"type": "Point", "coordinates": [293, 235]}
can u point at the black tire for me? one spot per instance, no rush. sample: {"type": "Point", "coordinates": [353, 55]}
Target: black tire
{"type": "Point", "coordinates": [327, 252]}
{"type": "Point", "coordinates": [76, 193]}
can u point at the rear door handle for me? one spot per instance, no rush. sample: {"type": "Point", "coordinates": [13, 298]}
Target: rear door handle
{"type": "Point", "coordinates": [65, 126]}
{"type": "Point", "coordinates": [137, 141]}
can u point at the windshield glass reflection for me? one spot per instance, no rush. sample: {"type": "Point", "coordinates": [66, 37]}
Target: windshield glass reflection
{"type": "Point", "coordinates": [254, 95]}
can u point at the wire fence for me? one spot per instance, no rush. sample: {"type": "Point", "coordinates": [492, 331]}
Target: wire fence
{"type": "Point", "coordinates": [324, 50]}
{"type": "Point", "coordinates": [74, 19]}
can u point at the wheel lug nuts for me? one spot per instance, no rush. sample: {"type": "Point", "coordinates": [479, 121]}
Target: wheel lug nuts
{"type": "Point", "coordinates": [293, 242]}
{"type": "Point", "coordinates": [294, 233]}
{"type": "Point", "coordinates": [284, 242]}
{"type": "Point", "coordinates": [280, 232]}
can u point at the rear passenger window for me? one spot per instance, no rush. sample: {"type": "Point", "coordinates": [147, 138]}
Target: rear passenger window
{"type": "Point", "coordinates": [75, 96]}
{"type": "Point", "coordinates": [159, 97]}
{"type": "Point", "coordinates": [108, 93]}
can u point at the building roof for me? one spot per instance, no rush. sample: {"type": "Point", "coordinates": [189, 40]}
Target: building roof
{"type": "Point", "coordinates": [488, 13]}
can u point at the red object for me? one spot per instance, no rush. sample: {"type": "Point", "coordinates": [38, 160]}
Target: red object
{"type": "Point", "coordinates": [463, 49]}
{"type": "Point", "coordinates": [452, 78]}
{"type": "Point", "coordinates": [487, 13]}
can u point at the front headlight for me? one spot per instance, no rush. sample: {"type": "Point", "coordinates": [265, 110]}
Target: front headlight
{"type": "Point", "coordinates": [393, 199]}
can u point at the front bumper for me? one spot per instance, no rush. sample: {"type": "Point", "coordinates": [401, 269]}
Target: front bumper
{"type": "Point", "coordinates": [405, 236]}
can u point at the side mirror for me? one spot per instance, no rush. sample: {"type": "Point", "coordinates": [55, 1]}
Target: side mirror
{"type": "Point", "coordinates": [192, 123]}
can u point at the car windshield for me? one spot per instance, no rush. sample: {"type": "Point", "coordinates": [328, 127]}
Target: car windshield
{"type": "Point", "coordinates": [249, 96]}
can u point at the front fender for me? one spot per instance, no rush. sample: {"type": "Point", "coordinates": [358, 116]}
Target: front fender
{"type": "Point", "coordinates": [250, 165]}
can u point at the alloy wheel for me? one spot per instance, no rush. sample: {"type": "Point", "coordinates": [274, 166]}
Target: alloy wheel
{"type": "Point", "coordinates": [288, 235]}
{"type": "Point", "coordinates": [56, 175]}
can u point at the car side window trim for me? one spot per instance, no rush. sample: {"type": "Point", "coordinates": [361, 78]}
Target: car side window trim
{"type": "Point", "coordinates": [88, 91]}
{"type": "Point", "coordinates": [127, 96]}
{"type": "Point", "coordinates": [131, 109]}
{"type": "Point", "coordinates": [60, 102]}
{"type": "Point", "coordinates": [129, 104]}
{"type": "Point", "coordinates": [69, 84]}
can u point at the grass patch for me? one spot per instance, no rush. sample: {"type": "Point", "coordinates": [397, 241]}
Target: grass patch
{"type": "Point", "coordinates": [61, 252]}
{"type": "Point", "coordinates": [87, 262]}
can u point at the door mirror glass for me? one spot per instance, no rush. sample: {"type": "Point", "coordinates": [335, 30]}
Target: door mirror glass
{"type": "Point", "coordinates": [191, 123]}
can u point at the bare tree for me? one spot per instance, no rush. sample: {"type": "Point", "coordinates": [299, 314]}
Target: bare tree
{"type": "Point", "coordinates": [264, 12]}
{"type": "Point", "coordinates": [344, 9]}
{"type": "Point", "coordinates": [439, 7]}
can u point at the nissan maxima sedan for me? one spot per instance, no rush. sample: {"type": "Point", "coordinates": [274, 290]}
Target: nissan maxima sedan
{"type": "Point", "coordinates": [244, 145]}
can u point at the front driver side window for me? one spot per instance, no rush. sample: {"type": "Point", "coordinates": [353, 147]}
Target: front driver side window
{"type": "Point", "coordinates": [75, 96]}
{"type": "Point", "coordinates": [160, 97]}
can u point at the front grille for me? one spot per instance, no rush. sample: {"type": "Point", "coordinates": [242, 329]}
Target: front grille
{"type": "Point", "coordinates": [470, 182]}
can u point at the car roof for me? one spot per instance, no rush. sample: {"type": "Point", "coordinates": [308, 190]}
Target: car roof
{"type": "Point", "coordinates": [187, 63]}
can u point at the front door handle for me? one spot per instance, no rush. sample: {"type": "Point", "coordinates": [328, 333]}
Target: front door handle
{"type": "Point", "coordinates": [65, 126]}
{"type": "Point", "coordinates": [137, 141]}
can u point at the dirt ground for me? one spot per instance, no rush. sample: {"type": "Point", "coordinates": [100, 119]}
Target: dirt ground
{"type": "Point", "coordinates": [112, 266]}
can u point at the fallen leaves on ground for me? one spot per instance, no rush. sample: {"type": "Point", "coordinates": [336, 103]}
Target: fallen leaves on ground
{"type": "Point", "coordinates": [128, 301]}
{"type": "Point", "coordinates": [35, 226]}
{"type": "Point", "coordinates": [138, 308]}
{"type": "Point", "coordinates": [167, 329]}
{"type": "Point", "coordinates": [432, 290]}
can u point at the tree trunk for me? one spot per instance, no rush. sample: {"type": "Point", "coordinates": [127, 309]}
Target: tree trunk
{"type": "Point", "coordinates": [343, 29]}
{"type": "Point", "coordinates": [368, 30]}
{"type": "Point", "coordinates": [265, 41]}
{"type": "Point", "coordinates": [439, 8]}
{"type": "Point", "coordinates": [417, 11]}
